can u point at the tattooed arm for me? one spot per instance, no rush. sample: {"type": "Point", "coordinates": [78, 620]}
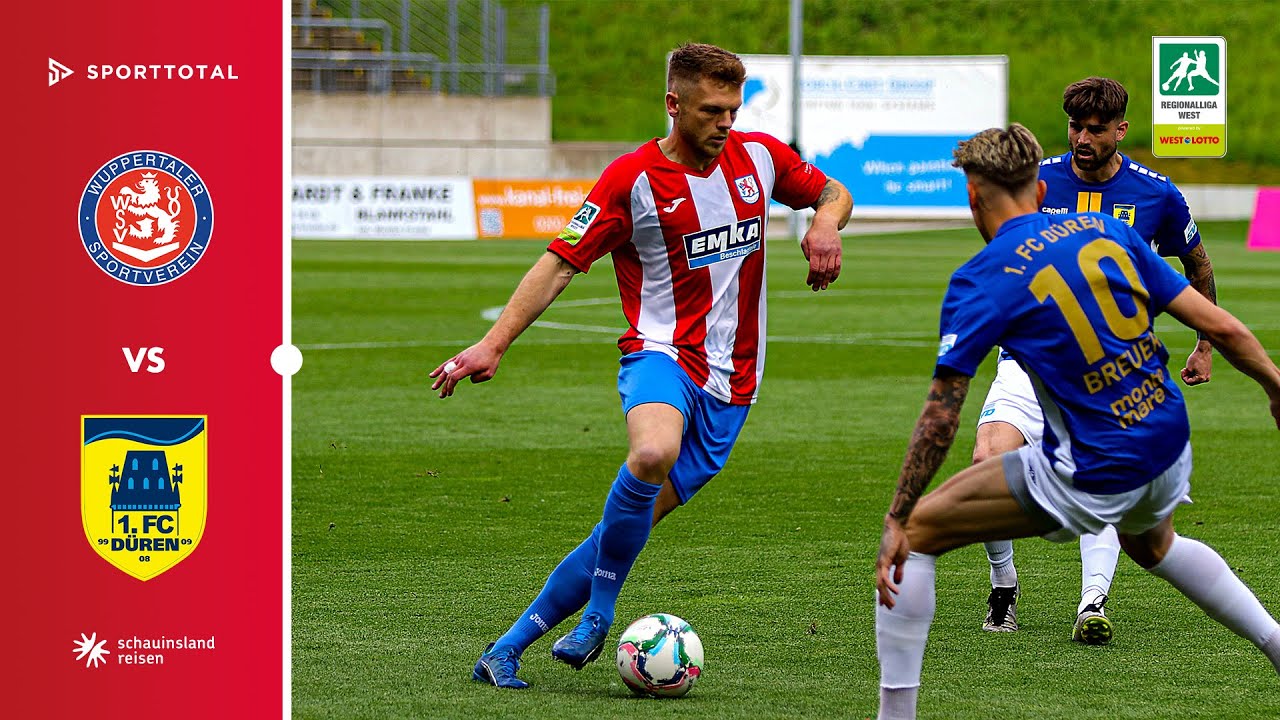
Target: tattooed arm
{"type": "Point", "coordinates": [1199, 271]}
{"type": "Point", "coordinates": [821, 244]}
{"type": "Point", "coordinates": [932, 438]}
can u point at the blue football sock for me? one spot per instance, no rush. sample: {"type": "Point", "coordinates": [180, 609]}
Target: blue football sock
{"type": "Point", "coordinates": [564, 593]}
{"type": "Point", "coordinates": [624, 529]}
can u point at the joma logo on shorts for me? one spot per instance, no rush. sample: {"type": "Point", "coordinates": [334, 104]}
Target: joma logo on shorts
{"type": "Point", "coordinates": [606, 574]}
{"type": "Point", "coordinates": [707, 247]}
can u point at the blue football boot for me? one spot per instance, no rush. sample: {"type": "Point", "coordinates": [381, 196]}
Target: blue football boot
{"type": "Point", "coordinates": [499, 669]}
{"type": "Point", "coordinates": [583, 644]}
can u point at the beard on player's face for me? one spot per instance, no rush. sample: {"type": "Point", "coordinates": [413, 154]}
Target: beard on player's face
{"type": "Point", "coordinates": [1094, 155]}
{"type": "Point", "coordinates": [702, 137]}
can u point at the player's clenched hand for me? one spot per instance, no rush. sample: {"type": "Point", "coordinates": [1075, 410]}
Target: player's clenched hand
{"type": "Point", "coordinates": [822, 248]}
{"type": "Point", "coordinates": [1199, 365]}
{"type": "Point", "coordinates": [894, 549]}
{"type": "Point", "coordinates": [478, 362]}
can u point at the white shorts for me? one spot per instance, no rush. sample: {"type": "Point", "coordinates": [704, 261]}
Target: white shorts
{"type": "Point", "coordinates": [1042, 492]}
{"type": "Point", "coordinates": [1011, 400]}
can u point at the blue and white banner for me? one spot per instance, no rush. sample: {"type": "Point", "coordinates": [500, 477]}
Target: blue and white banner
{"type": "Point", "coordinates": [883, 126]}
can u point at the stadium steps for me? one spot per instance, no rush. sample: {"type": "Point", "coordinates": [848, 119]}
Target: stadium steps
{"type": "Point", "coordinates": [343, 40]}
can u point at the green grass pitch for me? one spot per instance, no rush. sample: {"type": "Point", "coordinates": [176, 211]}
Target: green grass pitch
{"type": "Point", "coordinates": [422, 527]}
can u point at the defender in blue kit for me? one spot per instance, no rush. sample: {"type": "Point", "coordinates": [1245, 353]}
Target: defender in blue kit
{"type": "Point", "coordinates": [1072, 298]}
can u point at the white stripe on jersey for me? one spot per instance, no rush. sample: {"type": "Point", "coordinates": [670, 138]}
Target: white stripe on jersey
{"type": "Point", "coordinates": [657, 321]}
{"type": "Point", "coordinates": [715, 207]}
{"type": "Point", "coordinates": [1064, 464]}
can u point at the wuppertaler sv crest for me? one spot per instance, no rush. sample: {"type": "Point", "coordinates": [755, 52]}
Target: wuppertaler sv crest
{"type": "Point", "coordinates": [143, 489]}
{"type": "Point", "coordinates": [146, 218]}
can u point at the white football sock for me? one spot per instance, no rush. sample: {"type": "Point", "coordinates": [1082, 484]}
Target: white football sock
{"type": "Point", "coordinates": [1201, 574]}
{"type": "Point", "coordinates": [1098, 556]}
{"type": "Point", "coordinates": [1000, 555]}
{"type": "Point", "coordinates": [1272, 649]}
{"type": "Point", "coordinates": [901, 634]}
{"type": "Point", "coordinates": [898, 703]}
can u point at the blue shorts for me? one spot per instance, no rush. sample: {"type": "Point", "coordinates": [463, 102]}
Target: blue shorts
{"type": "Point", "coordinates": [711, 426]}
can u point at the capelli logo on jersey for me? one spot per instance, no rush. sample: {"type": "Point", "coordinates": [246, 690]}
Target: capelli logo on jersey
{"type": "Point", "coordinates": [145, 218]}
{"type": "Point", "coordinates": [707, 247]}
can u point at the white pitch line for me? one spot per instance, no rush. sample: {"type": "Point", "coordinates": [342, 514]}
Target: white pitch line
{"type": "Point", "coordinates": [906, 338]}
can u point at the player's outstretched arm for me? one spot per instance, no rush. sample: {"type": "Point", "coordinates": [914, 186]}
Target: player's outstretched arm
{"type": "Point", "coordinates": [821, 244]}
{"type": "Point", "coordinates": [1199, 271]}
{"type": "Point", "coordinates": [930, 441]}
{"type": "Point", "coordinates": [541, 285]}
{"type": "Point", "coordinates": [1236, 343]}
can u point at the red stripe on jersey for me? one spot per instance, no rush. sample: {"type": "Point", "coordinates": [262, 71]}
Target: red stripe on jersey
{"type": "Point", "coordinates": [746, 345]}
{"type": "Point", "coordinates": [626, 266]}
{"type": "Point", "coordinates": [750, 278]}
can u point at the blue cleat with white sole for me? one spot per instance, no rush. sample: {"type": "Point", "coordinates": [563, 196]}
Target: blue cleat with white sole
{"type": "Point", "coordinates": [583, 644]}
{"type": "Point", "coordinates": [498, 668]}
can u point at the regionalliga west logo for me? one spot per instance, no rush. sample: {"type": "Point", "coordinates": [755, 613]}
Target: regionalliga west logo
{"type": "Point", "coordinates": [143, 489]}
{"type": "Point", "coordinates": [146, 218]}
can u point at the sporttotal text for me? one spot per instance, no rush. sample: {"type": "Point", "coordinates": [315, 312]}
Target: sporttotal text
{"type": "Point", "coordinates": [161, 72]}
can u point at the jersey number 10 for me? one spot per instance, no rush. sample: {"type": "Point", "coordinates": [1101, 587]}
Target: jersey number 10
{"type": "Point", "coordinates": [1049, 283]}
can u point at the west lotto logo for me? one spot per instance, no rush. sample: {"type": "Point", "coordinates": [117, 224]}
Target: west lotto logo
{"type": "Point", "coordinates": [58, 72]}
{"type": "Point", "coordinates": [1189, 96]}
{"type": "Point", "coordinates": [707, 247]}
{"type": "Point", "coordinates": [145, 218]}
{"type": "Point", "coordinates": [143, 489]}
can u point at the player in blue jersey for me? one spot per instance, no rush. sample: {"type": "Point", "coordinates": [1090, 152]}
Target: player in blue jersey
{"type": "Point", "coordinates": [1071, 297]}
{"type": "Point", "coordinates": [1093, 176]}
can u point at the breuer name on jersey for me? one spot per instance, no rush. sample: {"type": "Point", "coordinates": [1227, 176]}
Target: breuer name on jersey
{"type": "Point", "coordinates": [707, 247]}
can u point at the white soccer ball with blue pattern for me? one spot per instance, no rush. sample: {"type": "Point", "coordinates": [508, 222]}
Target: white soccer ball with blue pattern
{"type": "Point", "coordinates": [660, 655]}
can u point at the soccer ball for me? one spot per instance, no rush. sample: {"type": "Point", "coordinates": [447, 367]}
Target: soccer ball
{"type": "Point", "coordinates": [660, 655]}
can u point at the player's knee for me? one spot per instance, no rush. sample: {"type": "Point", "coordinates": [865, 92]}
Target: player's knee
{"type": "Point", "coordinates": [1149, 548]}
{"type": "Point", "coordinates": [926, 539]}
{"type": "Point", "coordinates": [925, 535]}
{"type": "Point", "coordinates": [652, 461]}
{"type": "Point", "coordinates": [983, 452]}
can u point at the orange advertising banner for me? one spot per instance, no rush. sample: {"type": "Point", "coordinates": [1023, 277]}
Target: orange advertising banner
{"type": "Point", "coordinates": [528, 209]}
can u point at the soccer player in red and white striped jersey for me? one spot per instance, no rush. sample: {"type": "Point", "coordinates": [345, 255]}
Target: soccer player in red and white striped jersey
{"type": "Point", "coordinates": [684, 218]}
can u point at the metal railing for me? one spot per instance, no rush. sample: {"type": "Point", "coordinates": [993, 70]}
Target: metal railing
{"type": "Point", "coordinates": [459, 47]}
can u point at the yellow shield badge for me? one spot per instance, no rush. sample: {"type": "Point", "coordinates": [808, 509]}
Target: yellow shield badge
{"type": "Point", "coordinates": [143, 489]}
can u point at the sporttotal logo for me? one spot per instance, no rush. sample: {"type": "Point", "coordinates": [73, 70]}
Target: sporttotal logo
{"type": "Point", "coordinates": [1189, 96]}
{"type": "Point", "coordinates": [145, 218]}
{"type": "Point", "coordinates": [58, 72]}
{"type": "Point", "coordinates": [707, 247]}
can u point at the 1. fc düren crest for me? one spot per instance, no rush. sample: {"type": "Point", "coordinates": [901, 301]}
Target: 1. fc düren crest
{"type": "Point", "coordinates": [146, 218]}
{"type": "Point", "coordinates": [144, 489]}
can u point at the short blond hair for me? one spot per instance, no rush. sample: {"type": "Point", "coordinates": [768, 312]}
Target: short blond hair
{"type": "Point", "coordinates": [1008, 158]}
